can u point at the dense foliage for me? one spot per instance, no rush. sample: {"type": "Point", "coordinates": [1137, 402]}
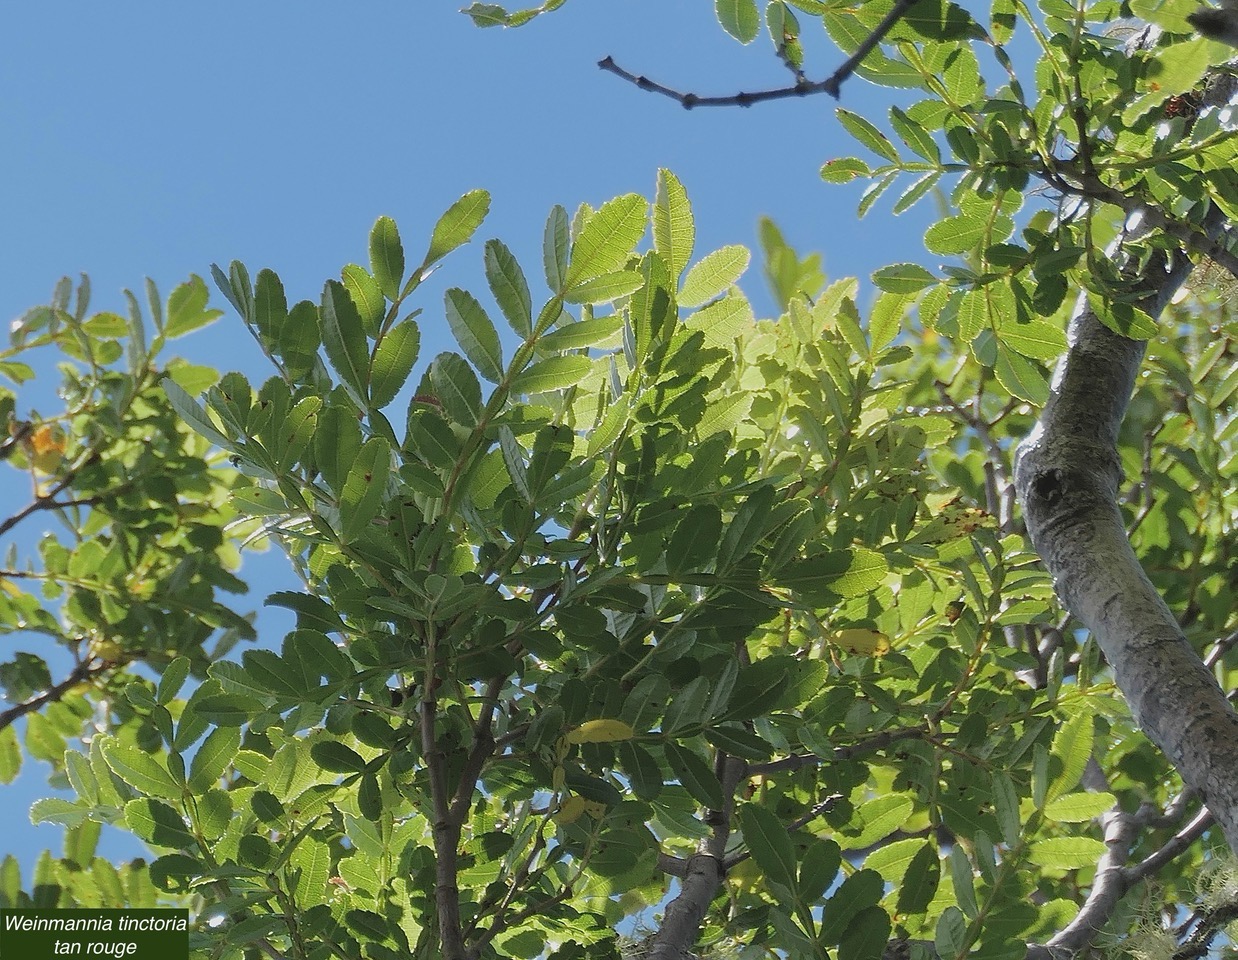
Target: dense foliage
{"type": "Point", "coordinates": [645, 590]}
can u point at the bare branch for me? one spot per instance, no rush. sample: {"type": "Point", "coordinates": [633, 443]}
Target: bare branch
{"type": "Point", "coordinates": [801, 88]}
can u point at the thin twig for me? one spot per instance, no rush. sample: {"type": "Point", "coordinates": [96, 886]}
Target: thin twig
{"type": "Point", "coordinates": [801, 88]}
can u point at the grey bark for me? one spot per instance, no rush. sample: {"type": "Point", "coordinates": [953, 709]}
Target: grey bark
{"type": "Point", "coordinates": [1067, 474]}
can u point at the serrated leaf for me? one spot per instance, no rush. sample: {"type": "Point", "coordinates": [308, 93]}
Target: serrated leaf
{"type": "Point", "coordinates": [1072, 748]}
{"type": "Point", "coordinates": [722, 321]}
{"type": "Point", "coordinates": [955, 234]}
{"type": "Point", "coordinates": [1123, 318]}
{"type": "Point", "coordinates": [1037, 339]}
{"type": "Point", "coordinates": [475, 333]}
{"type": "Point", "coordinates": [393, 362]}
{"type": "Point", "coordinates": [867, 134]}
{"type": "Point", "coordinates": [387, 257]}
{"type": "Point", "coordinates": [158, 823]}
{"type": "Point", "coordinates": [213, 757]}
{"type": "Point", "coordinates": [607, 239]}
{"type": "Point", "coordinates": [674, 232]}
{"type": "Point", "coordinates": [553, 373]}
{"type": "Point", "coordinates": [366, 295]}
{"type": "Point", "coordinates": [187, 310]}
{"type": "Point", "coordinates": [769, 843]}
{"type": "Point", "coordinates": [457, 388]}
{"type": "Point", "coordinates": [694, 774]}
{"type": "Point", "coordinates": [714, 274]}
{"type": "Point", "coordinates": [694, 544]}
{"type": "Point", "coordinates": [1020, 377]}
{"type": "Point", "coordinates": [739, 18]}
{"type": "Point", "coordinates": [193, 413]}
{"type": "Point", "coordinates": [918, 140]}
{"type": "Point", "coordinates": [903, 278]}
{"type": "Point", "coordinates": [1067, 853]}
{"type": "Point", "coordinates": [915, 192]}
{"type": "Point", "coordinates": [606, 288]}
{"type": "Point", "coordinates": [844, 170]}
{"type": "Point", "coordinates": [857, 893]}
{"type": "Point", "coordinates": [336, 757]}
{"type": "Point", "coordinates": [140, 770]}
{"type": "Point", "coordinates": [457, 225]}
{"type": "Point", "coordinates": [1079, 807]}
{"type": "Point", "coordinates": [362, 495]}
{"type": "Point", "coordinates": [343, 336]}
{"type": "Point", "coordinates": [555, 240]}
{"type": "Point", "coordinates": [510, 289]}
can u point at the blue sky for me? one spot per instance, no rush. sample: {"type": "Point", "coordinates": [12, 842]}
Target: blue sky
{"type": "Point", "coordinates": [152, 139]}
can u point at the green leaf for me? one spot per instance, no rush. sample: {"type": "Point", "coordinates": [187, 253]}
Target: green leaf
{"type": "Point", "coordinates": [918, 140]}
{"type": "Point", "coordinates": [457, 388]}
{"type": "Point", "coordinates": [344, 339]}
{"type": "Point", "coordinates": [606, 288]}
{"type": "Point", "coordinates": [769, 843]}
{"type": "Point", "coordinates": [1037, 339]}
{"type": "Point", "coordinates": [393, 362]}
{"type": "Point", "coordinates": [432, 439]}
{"type": "Point", "coordinates": [362, 495]}
{"type": "Point", "coordinates": [674, 232]}
{"type": "Point", "coordinates": [10, 755]}
{"type": "Point", "coordinates": [193, 413]}
{"type": "Point", "coordinates": [475, 332]}
{"type": "Point", "coordinates": [335, 757]}
{"type": "Point", "coordinates": [818, 869]}
{"type": "Point", "coordinates": [581, 334]}
{"type": "Point", "coordinates": [641, 769]}
{"type": "Point", "coordinates": [723, 320]}
{"type": "Point", "coordinates": [1079, 807]}
{"type": "Point", "coordinates": [858, 892]}
{"type": "Point", "coordinates": [694, 774]}
{"type": "Point", "coordinates": [903, 278]}
{"type": "Point", "coordinates": [844, 170]}
{"type": "Point", "coordinates": [1123, 318]}
{"type": "Point", "coordinates": [739, 18]}
{"type": "Point", "coordinates": [1004, 15]}
{"type": "Point", "coordinates": [962, 875]}
{"type": "Point", "coordinates": [714, 274]}
{"type": "Point", "coordinates": [1072, 748]}
{"type": "Point", "coordinates": [607, 239]}
{"type": "Point", "coordinates": [867, 935]}
{"type": "Point", "coordinates": [213, 757]}
{"type": "Point", "coordinates": [555, 242]}
{"type": "Point", "coordinates": [387, 257]}
{"type": "Point", "coordinates": [722, 416]}
{"type": "Point", "coordinates": [510, 289]}
{"type": "Point", "coordinates": [187, 310]}
{"type": "Point", "coordinates": [951, 937]}
{"type": "Point", "coordinates": [457, 225]}
{"type": "Point", "coordinates": [140, 770]}
{"type": "Point", "coordinates": [1067, 853]}
{"type": "Point", "coordinates": [1021, 377]}
{"type": "Point", "coordinates": [868, 135]}
{"type": "Point", "coordinates": [229, 709]}
{"type": "Point", "coordinates": [955, 234]}
{"type": "Point", "coordinates": [553, 373]}
{"type": "Point", "coordinates": [172, 678]}
{"type": "Point", "coordinates": [694, 544]}
{"type": "Point", "coordinates": [367, 297]}
{"type": "Point", "coordinates": [157, 823]}
{"type": "Point", "coordinates": [919, 883]}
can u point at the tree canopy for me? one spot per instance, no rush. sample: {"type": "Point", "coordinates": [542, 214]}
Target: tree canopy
{"type": "Point", "coordinates": [638, 624]}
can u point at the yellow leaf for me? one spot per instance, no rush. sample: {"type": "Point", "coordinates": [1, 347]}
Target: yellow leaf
{"type": "Point", "coordinates": [868, 643]}
{"type": "Point", "coordinates": [47, 445]}
{"type": "Point", "coordinates": [570, 810]}
{"type": "Point", "coordinates": [601, 731]}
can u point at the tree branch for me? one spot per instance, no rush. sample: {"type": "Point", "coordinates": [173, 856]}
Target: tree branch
{"type": "Point", "coordinates": [1067, 474]}
{"type": "Point", "coordinates": [801, 88]}
{"type": "Point", "coordinates": [702, 877]}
